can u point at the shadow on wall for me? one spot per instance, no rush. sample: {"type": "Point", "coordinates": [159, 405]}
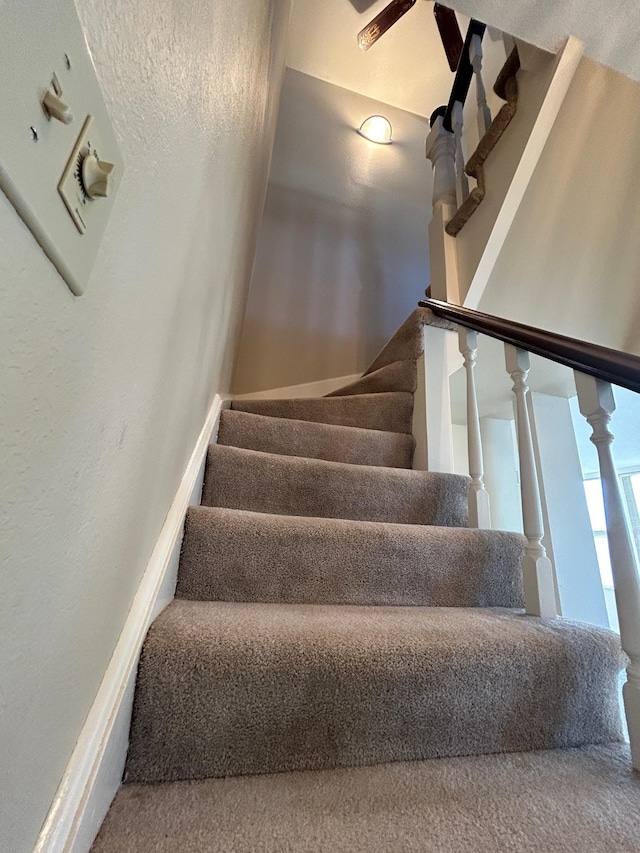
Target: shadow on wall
{"type": "Point", "coordinates": [305, 293]}
{"type": "Point", "coordinates": [393, 266]}
{"type": "Point", "coordinates": [331, 283]}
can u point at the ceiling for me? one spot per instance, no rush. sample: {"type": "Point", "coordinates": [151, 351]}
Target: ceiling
{"type": "Point", "coordinates": [609, 30]}
{"type": "Point", "coordinates": [407, 68]}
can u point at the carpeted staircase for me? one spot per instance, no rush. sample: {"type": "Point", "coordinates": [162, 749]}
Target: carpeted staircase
{"type": "Point", "coordinates": [334, 614]}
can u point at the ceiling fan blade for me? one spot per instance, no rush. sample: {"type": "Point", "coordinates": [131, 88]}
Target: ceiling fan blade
{"type": "Point", "coordinates": [450, 34]}
{"type": "Point", "coordinates": [382, 22]}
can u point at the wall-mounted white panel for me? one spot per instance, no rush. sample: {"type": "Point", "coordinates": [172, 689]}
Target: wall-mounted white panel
{"type": "Point", "coordinates": [49, 99]}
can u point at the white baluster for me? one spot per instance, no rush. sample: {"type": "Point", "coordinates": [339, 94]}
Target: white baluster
{"type": "Point", "coordinates": [484, 113]}
{"type": "Point", "coordinates": [597, 404]}
{"type": "Point", "coordinates": [479, 511]}
{"type": "Point", "coordinates": [462, 181]}
{"type": "Point", "coordinates": [537, 571]}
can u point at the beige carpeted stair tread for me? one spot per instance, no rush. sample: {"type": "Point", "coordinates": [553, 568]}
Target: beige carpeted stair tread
{"type": "Point", "coordinates": [331, 442]}
{"type": "Point", "coordinates": [234, 555]}
{"type": "Point", "coordinates": [228, 689]}
{"type": "Point", "coordinates": [398, 376]}
{"type": "Point", "coordinates": [406, 344]}
{"type": "Point", "coordinates": [565, 801]}
{"type": "Point", "coordinates": [289, 485]}
{"type": "Point", "coordinates": [391, 411]}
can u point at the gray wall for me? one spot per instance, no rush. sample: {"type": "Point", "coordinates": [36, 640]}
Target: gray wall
{"type": "Point", "coordinates": [571, 261]}
{"type": "Point", "coordinates": [342, 256]}
{"type": "Point", "coordinates": [102, 398]}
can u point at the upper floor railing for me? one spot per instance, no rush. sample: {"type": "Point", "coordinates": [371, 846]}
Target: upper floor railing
{"type": "Point", "coordinates": [470, 63]}
{"type": "Point", "coordinates": [595, 369]}
{"type": "Point", "coordinates": [448, 121]}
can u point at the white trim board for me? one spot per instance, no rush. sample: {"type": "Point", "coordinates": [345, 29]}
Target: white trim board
{"type": "Point", "coordinates": [307, 389]}
{"type": "Point", "coordinates": [95, 769]}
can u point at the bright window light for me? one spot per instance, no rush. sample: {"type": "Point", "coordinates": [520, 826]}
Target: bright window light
{"type": "Point", "coordinates": [595, 505]}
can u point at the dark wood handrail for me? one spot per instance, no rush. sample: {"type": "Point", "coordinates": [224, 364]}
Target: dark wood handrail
{"type": "Point", "coordinates": [464, 73]}
{"type": "Point", "coordinates": [620, 368]}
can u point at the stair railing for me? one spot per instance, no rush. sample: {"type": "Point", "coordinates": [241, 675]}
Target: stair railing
{"type": "Point", "coordinates": [445, 142]}
{"type": "Point", "coordinates": [475, 57]}
{"type": "Point", "coordinates": [451, 116]}
{"type": "Point", "coordinates": [470, 63]}
{"type": "Point", "coordinates": [596, 369]}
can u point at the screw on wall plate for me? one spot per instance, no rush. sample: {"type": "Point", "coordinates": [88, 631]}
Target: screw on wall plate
{"type": "Point", "coordinates": [34, 134]}
{"type": "Point", "coordinates": [67, 62]}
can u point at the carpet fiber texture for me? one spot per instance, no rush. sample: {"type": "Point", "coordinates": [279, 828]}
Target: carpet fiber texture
{"type": "Point", "coordinates": [397, 376]}
{"type": "Point", "coordinates": [566, 801]}
{"type": "Point", "coordinates": [229, 689]}
{"type": "Point", "coordinates": [407, 343]}
{"type": "Point", "coordinates": [391, 411]}
{"type": "Point", "coordinates": [333, 614]}
{"type": "Point", "coordinates": [290, 485]}
{"type": "Point", "coordinates": [330, 442]}
{"type": "Point", "coordinates": [234, 555]}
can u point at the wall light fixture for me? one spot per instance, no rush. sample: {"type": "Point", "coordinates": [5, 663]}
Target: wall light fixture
{"type": "Point", "coordinates": [376, 129]}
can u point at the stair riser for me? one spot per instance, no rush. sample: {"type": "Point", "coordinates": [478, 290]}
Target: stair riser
{"type": "Point", "coordinates": [399, 376]}
{"type": "Point", "coordinates": [229, 555]}
{"type": "Point", "coordinates": [247, 702]}
{"type": "Point", "coordinates": [391, 412]}
{"type": "Point", "coordinates": [315, 441]}
{"type": "Point", "coordinates": [242, 479]}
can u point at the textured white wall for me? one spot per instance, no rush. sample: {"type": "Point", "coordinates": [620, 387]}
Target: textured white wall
{"type": "Point", "coordinates": [102, 398]}
{"type": "Point", "coordinates": [342, 257]}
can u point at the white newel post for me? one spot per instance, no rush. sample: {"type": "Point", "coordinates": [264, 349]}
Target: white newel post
{"type": "Point", "coordinates": [597, 404]}
{"type": "Point", "coordinates": [443, 257]}
{"type": "Point", "coordinates": [479, 512]}
{"type": "Point", "coordinates": [537, 571]}
{"type": "Point", "coordinates": [432, 427]}
{"type": "Point", "coordinates": [441, 150]}
{"type": "Point", "coordinates": [484, 113]}
{"type": "Point", "coordinates": [462, 181]}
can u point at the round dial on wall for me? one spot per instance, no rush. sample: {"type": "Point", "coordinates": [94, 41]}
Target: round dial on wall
{"type": "Point", "coordinates": [87, 178]}
{"type": "Point", "coordinates": [95, 175]}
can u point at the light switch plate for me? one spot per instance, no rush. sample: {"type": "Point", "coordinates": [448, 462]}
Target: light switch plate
{"type": "Point", "coordinates": [43, 41]}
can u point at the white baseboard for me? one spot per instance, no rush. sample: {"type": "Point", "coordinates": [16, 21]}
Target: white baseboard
{"type": "Point", "coordinates": [95, 768]}
{"type": "Point", "coordinates": [308, 389]}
